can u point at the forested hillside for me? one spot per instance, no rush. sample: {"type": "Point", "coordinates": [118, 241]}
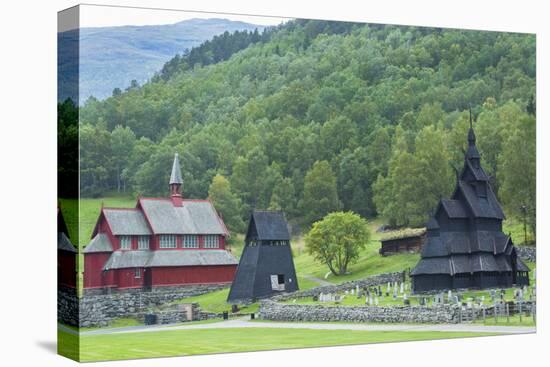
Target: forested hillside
{"type": "Point", "coordinates": [321, 116]}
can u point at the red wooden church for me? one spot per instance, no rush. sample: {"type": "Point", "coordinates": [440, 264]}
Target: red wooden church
{"type": "Point", "coordinates": [161, 242]}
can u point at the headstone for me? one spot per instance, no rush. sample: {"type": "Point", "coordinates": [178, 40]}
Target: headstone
{"type": "Point", "coordinates": [388, 288]}
{"type": "Point", "coordinates": [402, 288]}
{"type": "Point", "coordinates": [352, 292]}
{"type": "Point", "coordinates": [370, 300]}
{"type": "Point", "coordinates": [449, 295]}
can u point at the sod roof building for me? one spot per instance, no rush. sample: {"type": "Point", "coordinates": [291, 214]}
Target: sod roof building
{"type": "Point", "coordinates": [161, 242]}
{"type": "Point", "coordinates": [266, 266]}
{"type": "Point", "coordinates": [465, 246]}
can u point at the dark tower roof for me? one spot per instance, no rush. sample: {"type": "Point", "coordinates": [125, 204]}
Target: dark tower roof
{"type": "Point", "coordinates": [266, 266]}
{"type": "Point", "coordinates": [175, 177]}
{"type": "Point", "coordinates": [269, 225]}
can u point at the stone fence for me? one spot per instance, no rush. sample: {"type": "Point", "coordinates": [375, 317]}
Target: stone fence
{"type": "Point", "coordinates": [101, 309]}
{"type": "Point", "coordinates": [528, 253]}
{"type": "Point", "coordinates": [272, 310]}
{"type": "Point", "coordinates": [372, 281]}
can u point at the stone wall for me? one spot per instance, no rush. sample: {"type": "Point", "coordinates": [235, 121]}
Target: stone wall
{"type": "Point", "coordinates": [100, 309]}
{"type": "Point", "coordinates": [272, 310]}
{"type": "Point", "coordinates": [375, 280]}
{"type": "Point", "coordinates": [528, 253]}
{"type": "Point", "coordinates": [175, 314]}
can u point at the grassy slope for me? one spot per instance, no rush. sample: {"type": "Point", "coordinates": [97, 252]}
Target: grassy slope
{"type": "Point", "coordinates": [169, 343]}
{"type": "Point", "coordinates": [369, 262]}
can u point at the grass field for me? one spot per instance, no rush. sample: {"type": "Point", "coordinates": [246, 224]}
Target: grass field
{"type": "Point", "coordinates": [511, 321]}
{"type": "Point", "coordinates": [192, 342]}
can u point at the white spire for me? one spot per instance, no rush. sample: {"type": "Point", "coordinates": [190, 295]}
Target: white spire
{"type": "Point", "coordinates": [175, 177]}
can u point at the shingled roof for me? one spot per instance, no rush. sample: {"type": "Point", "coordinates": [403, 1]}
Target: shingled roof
{"type": "Point", "coordinates": [64, 244]}
{"type": "Point", "coordinates": [270, 225]}
{"type": "Point", "coordinates": [126, 221]}
{"type": "Point", "coordinates": [193, 217]}
{"type": "Point", "coordinates": [150, 259]}
{"type": "Point", "coordinates": [100, 243]}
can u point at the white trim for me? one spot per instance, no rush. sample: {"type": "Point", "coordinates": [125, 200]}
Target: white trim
{"type": "Point", "coordinates": [167, 241]}
{"type": "Point", "coordinates": [211, 241]}
{"type": "Point", "coordinates": [125, 242]}
{"type": "Point", "coordinates": [190, 241]}
{"type": "Point", "coordinates": [144, 242]}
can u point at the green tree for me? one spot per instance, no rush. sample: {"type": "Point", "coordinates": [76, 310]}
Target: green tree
{"type": "Point", "coordinates": [226, 203]}
{"type": "Point", "coordinates": [320, 193]}
{"type": "Point", "coordinates": [517, 171]}
{"type": "Point", "coordinates": [415, 182]}
{"type": "Point", "coordinates": [248, 177]}
{"type": "Point", "coordinates": [337, 240]}
{"type": "Point", "coordinates": [283, 197]}
{"type": "Point", "coordinates": [122, 143]}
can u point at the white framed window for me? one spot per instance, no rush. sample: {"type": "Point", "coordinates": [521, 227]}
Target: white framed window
{"type": "Point", "coordinates": [137, 273]}
{"type": "Point", "coordinates": [125, 242]}
{"type": "Point", "coordinates": [143, 243]}
{"type": "Point", "coordinates": [190, 241]}
{"type": "Point", "coordinates": [211, 241]}
{"type": "Point", "coordinates": [167, 241]}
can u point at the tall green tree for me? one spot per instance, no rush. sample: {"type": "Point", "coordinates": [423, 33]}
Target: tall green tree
{"type": "Point", "coordinates": [122, 143]}
{"type": "Point", "coordinates": [415, 181]}
{"type": "Point", "coordinates": [320, 192]}
{"type": "Point", "coordinates": [226, 203]}
{"type": "Point", "coordinates": [517, 171]}
{"type": "Point", "coordinates": [337, 240]}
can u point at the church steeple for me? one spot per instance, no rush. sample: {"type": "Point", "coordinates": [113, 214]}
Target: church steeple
{"type": "Point", "coordinates": [176, 182]}
{"type": "Point", "coordinates": [472, 153]}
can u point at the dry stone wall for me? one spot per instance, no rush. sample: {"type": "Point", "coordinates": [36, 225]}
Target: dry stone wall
{"type": "Point", "coordinates": [273, 310]}
{"type": "Point", "coordinates": [100, 309]}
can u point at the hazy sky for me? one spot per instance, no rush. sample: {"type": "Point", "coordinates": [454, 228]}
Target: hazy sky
{"type": "Point", "coordinates": [107, 16]}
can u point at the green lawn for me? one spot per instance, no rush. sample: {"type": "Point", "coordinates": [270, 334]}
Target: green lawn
{"type": "Point", "coordinates": [216, 302]}
{"type": "Point", "coordinates": [192, 342]}
{"type": "Point", "coordinates": [512, 321]}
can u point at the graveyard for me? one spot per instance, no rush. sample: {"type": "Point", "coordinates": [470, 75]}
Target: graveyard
{"type": "Point", "coordinates": [398, 294]}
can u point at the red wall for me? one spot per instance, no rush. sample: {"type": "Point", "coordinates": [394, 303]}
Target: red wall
{"type": "Point", "coordinates": [93, 269]}
{"type": "Point", "coordinates": [66, 268]}
{"type": "Point", "coordinates": [125, 278]}
{"type": "Point", "coordinates": [162, 276]}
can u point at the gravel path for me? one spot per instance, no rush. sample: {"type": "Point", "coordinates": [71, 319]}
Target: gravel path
{"type": "Point", "coordinates": [244, 323]}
